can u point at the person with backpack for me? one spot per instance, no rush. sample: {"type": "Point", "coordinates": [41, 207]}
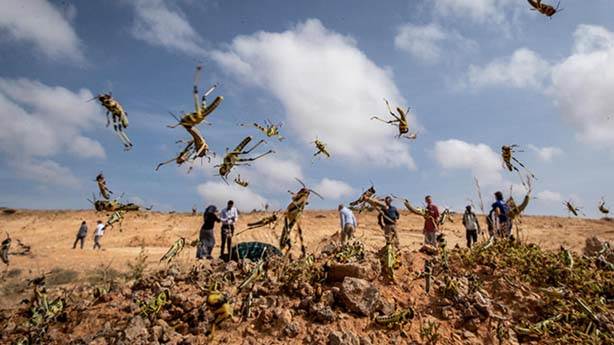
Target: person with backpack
{"type": "Point", "coordinates": [501, 212]}
{"type": "Point", "coordinates": [472, 226]}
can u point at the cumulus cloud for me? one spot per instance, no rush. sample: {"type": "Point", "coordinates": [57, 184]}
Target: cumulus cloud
{"type": "Point", "coordinates": [480, 159]}
{"type": "Point", "coordinates": [41, 24]}
{"type": "Point", "coordinates": [44, 121]}
{"type": "Point", "coordinates": [546, 153]}
{"type": "Point", "coordinates": [160, 25]}
{"type": "Point", "coordinates": [218, 193]}
{"type": "Point", "coordinates": [481, 11]}
{"type": "Point", "coordinates": [333, 189]}
{"type": "Point", "coordinates": [583, 85]}
{"type": "Point", "coordinates": [275, 172]}
{"type": "Point", "coordinates": [549, 196]}
{"type": "Point", "coordinates": [523, 69]}
{"type": "Point", "coordinates": [424, 42]}
{"type": "Point", "coordinates": [328, 87]}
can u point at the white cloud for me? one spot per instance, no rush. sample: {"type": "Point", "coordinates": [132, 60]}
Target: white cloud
{"type": "Point", "coordinates": [480, 11]}
{"type": "Point", "coordinates": [583, 85]}
{"type": "Point", "coordinates": [43, 121]}
{"type": "Point", "coordinates": [424, 42]}
{"type": "Point", "coordinates": [327, 86]}
{"type": "Point", "coordinates": [46, 172]}
{"type": "Point", "coordinates": [159, 25]}
{"type": "Point", "coordinates": [43, 25]}
{"type": "Point", "coordinates": [546, 153]}
{"type": "Point", "coordinates": [524, 69]}
{"type": "Point", "coordinates": [549, 196]}
{"type": "Point", "coordinates": [333, 189]}
{"type": "Point", "coordinates": [275, 172]}
{"type": "Point", "coordinates": [480, 159]}
{"type": "Point", "coordinates": [218, 193]}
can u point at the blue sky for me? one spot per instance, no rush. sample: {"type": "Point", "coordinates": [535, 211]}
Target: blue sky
{"type": "Point", "coordinates": [477, 74]}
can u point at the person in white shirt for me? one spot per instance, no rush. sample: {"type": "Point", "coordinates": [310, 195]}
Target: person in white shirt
{"type": "Point", "coordinates": [348, 223]}
{"type": "Point", "coordinates": [98, 234]}
{"type": "Point", "coordinates": [229, 217]}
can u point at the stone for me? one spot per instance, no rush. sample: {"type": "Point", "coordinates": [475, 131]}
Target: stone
{"type": "Point", "coordinates": [337, 272]}
{"type": "Point", "coordinates": [136, 329]}
{"type": "Point", "coordinates": [342, 338]}
{"type": "Point", "coordinates": [359, 296]}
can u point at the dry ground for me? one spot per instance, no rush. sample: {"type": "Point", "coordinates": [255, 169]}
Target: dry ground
{"type": "Point", "coordinates": [51, 235]}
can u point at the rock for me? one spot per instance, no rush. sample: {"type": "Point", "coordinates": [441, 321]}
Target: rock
{"type": "Point", "coordinates": [321, 313]}
{"type": "Point", "coordinates": [428, 249]}
{"type": "Point", "coordinates": [328, 298]}
{"type": "Point", "coordinates": [359, 296]}
{"type": "Point", "coordinates": [342, 338]}
{"type": "Point", "coordinates": [291, 330]}
{"type": "Point", "coordinates": [593, 246]}
{"type": "Point", "coordinates": [365, 341]}
{"type": "Point", "coordinates": [136, 329]}
{"type": "Point", "coordinates": [337, 272]}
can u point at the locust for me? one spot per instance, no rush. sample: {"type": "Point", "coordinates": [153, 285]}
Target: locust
{"type": "Point", "coordinates": [240, 182]}
{"type": "Point", "coordinates": [220, 304]}
{"type": "Point", "coordinates": [507, 155]}
{"type": "Point", "coordinates": [271, 221]}
{"type": "Point", "coordinates": [388, 257]}
{"type": "Point", "coordinates": [233, 158]}
{"type": "Point", "coordinates": [602, 207]}
{"type": "Point", "coordinates": [270, 129]}
{"type": "Point", "coordinates": [201, 109]}
{"type": "Point", "coordinates": [256, 273]}
{"type": "Point", "coordinates": [292, 216]}
{"type": "Point", "coordinates": [571, 208]}
{"type": "Point", "coordinates": [567, 257]}
{"type": "Point", "coordinates": [427, 276]}
{"type": "Point", "coordinates": [246, 307]}
{"type": "Point", "coordinates": [321, 148]}
{"type": "Point", "coordinates": [398, 317]}
{"type": "Point", "coordinates": [154, 304]}
{"type": "Point", "coordinates": [4, 250]}
{"type": "Point", "coordinates": [545, 9]}
{"type": "Point", "coordinates": [102, 186]}
{"type": "Point", "coordinates": [399, 121]}
{"type": "Point", "coordinates": [360, 204]}
{"type": "Point", "coordinates": [515, 209]}
{"type": "Point", "coordinates": [119, 116]}
{"type": "Point", "coordinates": [174, 250]}
{"type": "Point", "coordinates": [445, 216]}
{"type": "Point", "coordinates": [182, 157]}
{"type": "Point", "coordinates": [116, 217]}
{"type": "Point", "coordinates": [113, 205]}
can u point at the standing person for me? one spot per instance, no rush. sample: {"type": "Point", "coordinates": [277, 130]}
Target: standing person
{"type": "Point", "coordinates": [501, 215]}
{"type": "Point", "coordinates": [472, 226]}
{"type": "Point", "coordinates": [348, 223]}
{"type": "Point", "coordinates": [98, 234]}
{"type": "Point", "coordinates": [229, 217]}
{"type": "Point", "coordinates": [388, 220]}
{"type": "Point", "coordinates": [206, 237]}
{"type": "Point", "coordinates": [431, 218]}
{"type": "Point", "coordinates": [81, 235]}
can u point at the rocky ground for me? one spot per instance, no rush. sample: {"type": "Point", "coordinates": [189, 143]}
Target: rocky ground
{"type": "Point", "coordinates": [497, 293]}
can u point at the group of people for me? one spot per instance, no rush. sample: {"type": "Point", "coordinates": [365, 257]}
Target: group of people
{"type": "Point", "coordinates": [228, 217]}
{"type": "Point", "coordinates": [499, 224]}
{"type": "Point", "coordinates": [82, 234]}
{"type": "Point", "coordinates": [498, 220]}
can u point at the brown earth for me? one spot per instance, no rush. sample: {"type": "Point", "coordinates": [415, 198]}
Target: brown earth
{"type": "Point", "coordinates": [51, 234]}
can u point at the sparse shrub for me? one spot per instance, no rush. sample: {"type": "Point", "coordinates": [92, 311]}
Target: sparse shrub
{"type": "Point", "coordinates": [138, 267]}
{"type": "Point", "coordinates": [429, 332]}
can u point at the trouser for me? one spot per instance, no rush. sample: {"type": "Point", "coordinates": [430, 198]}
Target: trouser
{"type": "Point", "coordinates": [227, 232]}
{"type": "Point", "coordinates": [390, 232]}
{"type": "Point", "coordinates": [347, 233]}
{"type": "Point", "coordinates": [97, 242]}
{"type": "Point", "coordinates": [430, 237]}
{"type": "Point", "coordinates": [472, 237]}
{"type": "Point", "coordinates": [79, 238]}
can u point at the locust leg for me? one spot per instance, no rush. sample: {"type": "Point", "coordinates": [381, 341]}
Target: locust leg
{"type": "Point", "coordinates": [254, 158]}
{"type": "Point", "coordinates": [300, 236]}
{"type": "Point", "coordinates": [522, 165]}
{"type": "Point", "coordinates": [250, 150]}
{"type": "Point", "coordinates": [195, 89]}
{"type": "Point", "coordinates": [108, 118]}
{"type": "Point", "coordinates": [391, 122]}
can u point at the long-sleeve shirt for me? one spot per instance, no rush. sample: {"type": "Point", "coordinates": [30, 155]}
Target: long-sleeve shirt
{"type": "Point", "coordinates": [82, 230]}
{"type": "Point", "coordinates": [229, 216]}
{"type": "Point", "coordinates": [347, 217]}
{"type": "Point", "coordinates": [432, 216]}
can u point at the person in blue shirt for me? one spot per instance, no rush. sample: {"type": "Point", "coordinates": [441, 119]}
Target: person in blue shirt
{"type": "Point", "coordinates": [501, 210]}
{"type": "Point", "coordinates": [348, 223]}
{"type": "Point", "coordinates": [387, 220]}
